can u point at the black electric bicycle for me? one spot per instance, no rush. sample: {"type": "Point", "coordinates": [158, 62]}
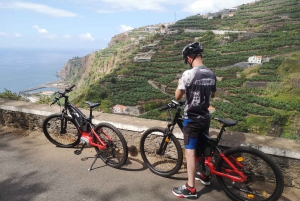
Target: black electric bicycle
{"type": "Point", "coordinates": [67, 131]}
{"type": "Point", "coordinates": [244, 173]}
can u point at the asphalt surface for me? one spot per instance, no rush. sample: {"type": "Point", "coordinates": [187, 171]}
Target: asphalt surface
{"type": "Point", "coordinates": [33, 169]}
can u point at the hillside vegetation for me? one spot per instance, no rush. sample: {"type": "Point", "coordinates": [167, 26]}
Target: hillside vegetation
{"type": "Point", "coordinates": [265, 98]}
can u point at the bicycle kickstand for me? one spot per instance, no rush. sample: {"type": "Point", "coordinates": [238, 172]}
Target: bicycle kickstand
{"type": "Point", "coordinates": [97, 156]}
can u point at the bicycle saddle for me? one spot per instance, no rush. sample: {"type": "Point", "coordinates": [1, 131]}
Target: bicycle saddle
{"type": "Point", "coordinates": [226, 122]}
{"type": "Point", "coordinates": [92, 105]}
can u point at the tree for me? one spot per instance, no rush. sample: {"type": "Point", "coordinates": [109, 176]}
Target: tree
{"type": "Point", "coordinates": [10, 95]}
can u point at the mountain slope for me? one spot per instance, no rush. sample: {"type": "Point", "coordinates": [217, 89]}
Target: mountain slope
{"type": "Point", "coordinates": [261, 96]}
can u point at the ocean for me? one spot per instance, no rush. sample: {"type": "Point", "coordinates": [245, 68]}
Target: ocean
{"type": "Point", "coordinates": [24, 68]}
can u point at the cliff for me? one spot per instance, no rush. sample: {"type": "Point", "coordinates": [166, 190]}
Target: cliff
{"type": "Point", "coordinates": [87, 70]}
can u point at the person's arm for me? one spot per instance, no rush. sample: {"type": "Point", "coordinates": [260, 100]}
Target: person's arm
{"type": "Point", "coordinates": [179, 92]}
{"type": "Point", "coordinates": [213, 94]}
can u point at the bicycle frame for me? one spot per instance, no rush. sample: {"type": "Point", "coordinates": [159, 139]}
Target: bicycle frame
{"type": "Point", "coordinates": [211, 166]}
{"type": "Point", "coordinates": [86, 129]}
{"type": "Point", "coordinates": [79, 129]}
{"type": "Point", "coordinates": [208, 159]}
{"type": "Point", "coordinates": [101, 144]}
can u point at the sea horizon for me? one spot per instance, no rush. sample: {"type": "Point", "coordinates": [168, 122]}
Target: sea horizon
{"type": "Point", "coordinates": [24, 68]}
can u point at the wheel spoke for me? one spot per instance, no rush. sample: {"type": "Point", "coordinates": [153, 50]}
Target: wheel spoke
{"type": "Point", "coordinates": [264, 179]}
{"type": "Point", "coordinates": [116, 152]}
{"type": "Point", "coordinates": [168, 161]}
{"type": "Point", "coordinates": [66, 137]}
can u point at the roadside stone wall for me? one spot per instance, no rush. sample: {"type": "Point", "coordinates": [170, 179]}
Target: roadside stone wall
{"type": "Point", "coordinates": [21, 120]}
{"type": "Point", "coordinates": [285, 152]}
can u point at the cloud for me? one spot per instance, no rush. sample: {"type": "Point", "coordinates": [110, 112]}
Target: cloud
{"type": "Point", "coordinates": [40, 8]}
{"type": "Point", "coordinates": [67, 36]}
{"type": "Point", "coordinates": [50, 36]}
{"type": "Point", "coordinates": [124, 28]}
{"type": "Point", "coordinates": [136, 4]}
{"type": "Point", "coordinates": [105, 11]}
{"type": "Point", "coordinates": [189, 6]}
{"type": "Point", "coordinates": [17, 35]}
{"type": "Point", "coordinates": [2, 33]}
{"type": "Point", "coordinates": [206, 6]}
{"type": "Point", "coordinates": [86, 37]}
{"type": "Point", "coordinates": [112, 6]}
{"type": "Point", "coordinates": [44, 33]}
{"type": "Point", "coordinates": [40, 30]}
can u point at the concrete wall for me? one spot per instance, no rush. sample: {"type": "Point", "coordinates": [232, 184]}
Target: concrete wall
{"type": "Point", "coordinates": [285, 152]}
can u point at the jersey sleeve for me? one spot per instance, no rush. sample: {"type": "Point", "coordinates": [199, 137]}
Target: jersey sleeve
{"type": "Point", "coordinates": [185, 80]}
{"type": "Point", "coordinates": [214, 89]}
{"type": "Point", "coordinates": [181, 84]}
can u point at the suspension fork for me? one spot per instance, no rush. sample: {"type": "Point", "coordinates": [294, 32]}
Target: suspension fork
{"type": "Point", "coordinates": [165, 141]}
{"type": "Point", "coordinates": [63, 123]}
{"type": "Point", "coordinates": [168, 132]}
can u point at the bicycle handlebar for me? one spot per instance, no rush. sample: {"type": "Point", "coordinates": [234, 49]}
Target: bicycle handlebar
{"type": "Point", "coordinates": [62, 94]}
{"type": "Point", "coordinates": [69, 89]}
{"type": "Point", "coordinates": [174, 104]}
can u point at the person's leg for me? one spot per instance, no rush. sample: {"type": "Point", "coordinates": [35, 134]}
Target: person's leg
{"type": "Point", "coordinates": [201, 144]}
{"type": "Point", "coordinates": [188, 190]}
{"type": "Point", "coordinates": [190, 155]}
{"type": "Point", "coordinates": [204, 125]}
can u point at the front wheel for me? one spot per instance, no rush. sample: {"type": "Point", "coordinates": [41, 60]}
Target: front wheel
{"type": "Point", "coordinates": [264, 178]}
{"type": "Point", "coordinates": [61, 131]}
{"type": "Point", "coordinates": [116, 152]}
{"type": "Point", "coordinates": [166, 161]}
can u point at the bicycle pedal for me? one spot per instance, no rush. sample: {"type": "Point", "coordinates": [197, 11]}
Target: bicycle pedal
{"type": "Point", "coordinates": [77, 152]}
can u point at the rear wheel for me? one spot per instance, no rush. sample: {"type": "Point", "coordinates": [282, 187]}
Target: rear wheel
{"type": "Point", "coordinates": [116, 153]}
{"type": "Point", "coordinates": [166, 163]}
{"type": "Point", "coordinates": [264, 178]}
{"type": "Point", "coordinates": [61, 131]}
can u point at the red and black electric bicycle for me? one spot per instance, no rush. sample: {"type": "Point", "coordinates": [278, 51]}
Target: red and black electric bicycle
{"type": "Point", "coordinates": [244, 173]}
{"type": "Point", "coordinates": [67, 131]}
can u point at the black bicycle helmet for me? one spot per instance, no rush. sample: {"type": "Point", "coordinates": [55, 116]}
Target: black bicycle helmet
{"type": "Point", "coordinates": [192, 49]}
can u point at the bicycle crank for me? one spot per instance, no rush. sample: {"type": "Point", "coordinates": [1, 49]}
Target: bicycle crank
{"type": "Point", "coordinates": [79, 151]}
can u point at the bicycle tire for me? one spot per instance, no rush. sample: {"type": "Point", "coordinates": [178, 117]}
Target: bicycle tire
{"type": "Point", "coordinates": [164, 165]}
{"type": "Point", "coordinates": [265, 180]}
{"type": "Point", "coordinates": [52, 131]}
{"type": "Point", "coordinates": [116, 153]}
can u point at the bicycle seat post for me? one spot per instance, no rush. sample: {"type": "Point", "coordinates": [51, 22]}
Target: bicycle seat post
{"type": "Point", "coordinates": [221, 132]}
{"type": "Point", "coordinates": [91, 111]}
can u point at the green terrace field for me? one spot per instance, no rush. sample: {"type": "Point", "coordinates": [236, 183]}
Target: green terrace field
{"type": "Point", "coordinates": [263, 16]}
{"type": "Point", "coordinates": [263, 98]}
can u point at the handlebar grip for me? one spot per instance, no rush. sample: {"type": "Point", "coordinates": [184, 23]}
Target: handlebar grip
{"type": "Point", "coordinates": [164, 107]}
{"type": "Point", "coordinates": [55, 100]}
{"type": "Point", "coordinates": [182, 102]}
{"type": "Point", "coordinates": [70, 89]}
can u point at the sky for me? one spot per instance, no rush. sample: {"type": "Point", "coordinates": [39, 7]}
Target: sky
{"type": "Point", "coordinates": [90, 23]}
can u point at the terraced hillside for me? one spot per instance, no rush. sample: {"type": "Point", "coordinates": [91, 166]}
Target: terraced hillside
{"type": "Point", "coordinates": [264, 97]}
{"type": "Point", "coordinates": [263, 16]}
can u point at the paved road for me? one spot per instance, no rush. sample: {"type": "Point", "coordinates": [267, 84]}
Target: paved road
{"type": "Point", "coordinates": [34, 169]}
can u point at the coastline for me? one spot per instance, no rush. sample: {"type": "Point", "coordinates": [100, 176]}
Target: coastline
{"type": "Point", "coordinates": [47, 89]}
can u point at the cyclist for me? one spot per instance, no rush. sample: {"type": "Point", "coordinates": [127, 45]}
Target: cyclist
{"type": "Point", "coordinates": [199, 85]}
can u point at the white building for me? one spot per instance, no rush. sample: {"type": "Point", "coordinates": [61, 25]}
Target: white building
{"type": "Point", "coordinates": [255, 60]}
